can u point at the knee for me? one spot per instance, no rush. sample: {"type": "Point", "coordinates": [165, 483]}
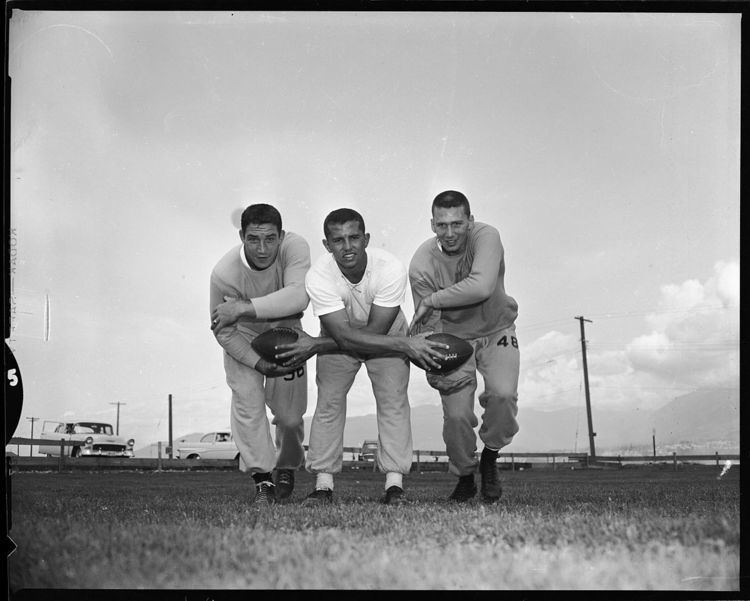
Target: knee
{"type": "Point", "coordinates": [457, 415]}
{"type": "Point", "coordinates": [288, 421]}
{"type": "Point", "coordinates": [504, 400]}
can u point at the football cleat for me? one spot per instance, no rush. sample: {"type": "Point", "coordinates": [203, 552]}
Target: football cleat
{"type": "Point", "coordinates": [320, 496]}
{"type": "Point", "coordinates": [284, 483]}
{"type": "Point", "coordinates": [394, 495]}
{"type": "Point", "coordinates": [465, 489]}
{"type": "Point", "coordinates": [491, 488]}
{"type": "Point", "coordinates": [264, 494]}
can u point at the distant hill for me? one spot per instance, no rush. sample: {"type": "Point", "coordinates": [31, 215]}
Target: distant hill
{"type": "Point", "coordinates": [699, 419]}
{"type": "Point", "coordinates": [698, 422]}
{"type": "Point", "coordinates": [152, 450]}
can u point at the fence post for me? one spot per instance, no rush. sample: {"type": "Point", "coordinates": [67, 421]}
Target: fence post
{"type": "Point", "coordinates": [418, 468]}
{"type": "Point", "coordinates": [512, 463]}
{"type": "Point", "coordinates": [158, 457]}
{"type": "Point", "coordinates": [619, 461]}
{"type": "Point", "coordinates": [554, 467]}
{"type": "Point", "coordinates": [674, 460]}
{"type": "Point", "coordinates": [61, 460]}
{"type": "Point", "coordinates": [717, 458]}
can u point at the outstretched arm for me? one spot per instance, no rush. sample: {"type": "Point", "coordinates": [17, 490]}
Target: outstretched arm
{"type": "Point", "coordinates": [367, 340]}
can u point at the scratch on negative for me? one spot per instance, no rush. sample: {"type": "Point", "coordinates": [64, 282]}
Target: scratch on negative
{"type": "Point", "coordinates": [96, 37]}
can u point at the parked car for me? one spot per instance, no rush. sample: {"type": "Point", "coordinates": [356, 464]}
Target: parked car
{"type": "Point", "coordinates": [369, 450]}
{"type": "Point", "coordinates": [214, 445]}
{"type": "Point", "coordinates": [96, 439]}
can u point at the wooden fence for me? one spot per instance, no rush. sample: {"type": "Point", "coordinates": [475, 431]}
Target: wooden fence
{"type": "Point", "coordinates": [423, 460]}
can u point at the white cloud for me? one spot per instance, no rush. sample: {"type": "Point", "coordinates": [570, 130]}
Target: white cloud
{"type": "Point", "coordinates": [692, 343]}
{"type": "Point", "coordinates": [694, 336]}
{"type": "Point", "coordinates": [550, 372]}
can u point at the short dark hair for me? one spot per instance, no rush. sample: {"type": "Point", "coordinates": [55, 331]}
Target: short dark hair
{"type": "Point", "coordinates": [259, 214]}
{"type": "Point", "coordinates": [341, 216]}
{"type": "Point", "coordinates": [450, 199]}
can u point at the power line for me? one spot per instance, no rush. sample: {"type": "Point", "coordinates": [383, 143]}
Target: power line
{"type": "Point", "coordinates": [634, 313]}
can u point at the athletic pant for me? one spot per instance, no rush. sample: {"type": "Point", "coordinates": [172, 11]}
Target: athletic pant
{"type": "Point", "coordinates": [286, 396]}
{"type": "Point", "coordinates": [389, 375]}
{"type": "Point", "coordinates": [497, 358]}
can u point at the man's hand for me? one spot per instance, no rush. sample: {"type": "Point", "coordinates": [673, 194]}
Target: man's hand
{"type": "Point", "coordinates": [272, 370]}
{"type": "Point", "coordinates": [296, 353]}
{"type": "Point", "coordinates": [421, 314]}
{"type": "Point", "coordinates": [425, 352]}
{"type": "Point", "coordinates": [228, 312]}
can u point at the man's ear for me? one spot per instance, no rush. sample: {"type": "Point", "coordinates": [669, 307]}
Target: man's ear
{"type": "Point", "coordinates": [282, 233]}
{"type": "Point", "coordinates": [326, 246]}
{"type": "Point", "coordinates": [242, 237]}
{"type": "Point", "coordinates": [432, 225]}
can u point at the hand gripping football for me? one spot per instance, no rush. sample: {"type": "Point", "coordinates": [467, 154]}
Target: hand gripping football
{"type": "Point", "coordinates": [264, 344]}
{"type": "Point", "coordinates": [455, 356]}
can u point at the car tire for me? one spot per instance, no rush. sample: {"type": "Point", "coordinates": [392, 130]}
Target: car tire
{"type": "Point", "coordinates": [193, 456]}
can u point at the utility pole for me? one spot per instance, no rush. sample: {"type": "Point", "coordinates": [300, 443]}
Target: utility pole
{"type": "Point", "coordinates": [32, 420]}
{"type": "Point", "coordinates": [653, 439]}
{"type": "Point", "coordinates": [170, 427]}
{"type": "Point", "coordinates": [118, 403]}
{"type": "Point", "coordinates": [592, 449]}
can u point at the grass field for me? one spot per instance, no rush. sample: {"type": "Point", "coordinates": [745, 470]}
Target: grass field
{"type": "Point", "coordinates": [641, 528]}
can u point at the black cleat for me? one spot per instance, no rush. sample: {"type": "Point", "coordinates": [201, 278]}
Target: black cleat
{"type": "Point", "coordinates": [264, 494]}
{"type": "Point", "coordinates": [394, 495]}
{"type": "Point", "coordinates": [491, 487]}
{"type": "Point", "coordinates": [320, 496]}
{"type": "Point", "coordinates": [284, 484]}
{"type": "Point", "coordinates": [465, 489]}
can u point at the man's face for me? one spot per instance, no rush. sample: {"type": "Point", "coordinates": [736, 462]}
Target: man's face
{"type": "Point", "coordinates": [452, 227]}
{"type": "Point", "coordinates": [261, 242]}
{"type": "Point", "coordinates": [347, 243]}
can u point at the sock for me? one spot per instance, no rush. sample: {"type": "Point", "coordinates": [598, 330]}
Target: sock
{"type": "Point", "coordinates": [323, 480]}
{"type": "Point", "coordinates": [394, 479]}
{"type": "Point", "coordinates": [259, 477]}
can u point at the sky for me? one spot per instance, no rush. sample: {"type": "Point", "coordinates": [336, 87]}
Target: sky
{"type": "Point", "coordinates": [603, 146]}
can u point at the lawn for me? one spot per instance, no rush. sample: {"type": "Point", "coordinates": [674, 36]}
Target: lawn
{"type": "Point", "coordinates": [647, 528]}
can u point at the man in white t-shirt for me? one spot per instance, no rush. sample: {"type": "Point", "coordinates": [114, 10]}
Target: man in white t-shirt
{"type": "Point", "coordinates": [357, 294]}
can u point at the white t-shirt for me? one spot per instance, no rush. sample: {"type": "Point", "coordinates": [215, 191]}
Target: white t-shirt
{"type": "Point", "coordinates": [383, 284]}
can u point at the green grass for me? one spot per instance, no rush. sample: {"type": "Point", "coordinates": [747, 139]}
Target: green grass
{"type": "Point", "coordinates": [637, 529]}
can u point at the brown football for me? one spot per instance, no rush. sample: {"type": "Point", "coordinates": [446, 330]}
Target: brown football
{"type": "Point", "coordinates": [265, 344]}
{"type": "Point", "coordinates": [455, 356]}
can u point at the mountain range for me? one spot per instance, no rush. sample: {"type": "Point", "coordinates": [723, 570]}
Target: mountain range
{"type": "Point", "coordinates": [701, 421]}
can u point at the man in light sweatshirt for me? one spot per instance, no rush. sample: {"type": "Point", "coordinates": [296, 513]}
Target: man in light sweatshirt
{"type": "Point", "coordinates": [256, 286]}
{"type": "Point", "coordinates": [457, 282]}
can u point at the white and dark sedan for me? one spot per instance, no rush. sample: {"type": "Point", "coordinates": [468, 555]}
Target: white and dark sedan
{"type": "Point", "coordinates": [214, 445]}
{"type": "Point", "coordinates": [93, 439]}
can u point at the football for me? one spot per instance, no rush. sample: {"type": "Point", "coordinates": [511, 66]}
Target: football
{"type": "Point", "coordinates": [264, 344]}
{"type": "Point", "coordinates": [454, 357]}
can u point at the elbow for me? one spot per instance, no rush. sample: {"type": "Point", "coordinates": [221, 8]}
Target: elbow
{"type": "Point", "coordinates": [301, 301]}
{"type": "Point", "coordinates": [485, 291]}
